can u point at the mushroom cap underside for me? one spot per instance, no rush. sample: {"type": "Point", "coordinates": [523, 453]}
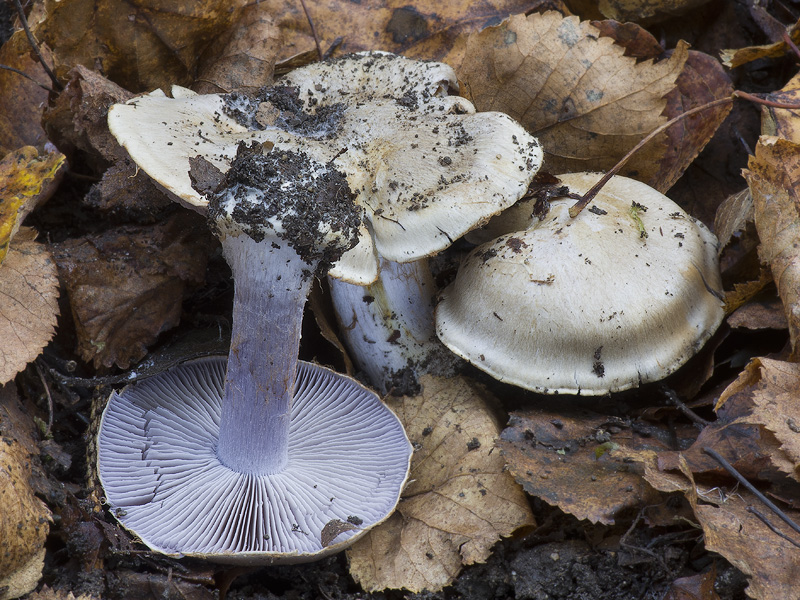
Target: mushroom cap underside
{"type": "Point", "coordinates": [348, 462]}
{"type": "Point", "coordinates": [619, 296]}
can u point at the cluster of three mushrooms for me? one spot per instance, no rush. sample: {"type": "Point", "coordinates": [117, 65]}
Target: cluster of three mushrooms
{"type": "Point", "coordinates": [266, 460]}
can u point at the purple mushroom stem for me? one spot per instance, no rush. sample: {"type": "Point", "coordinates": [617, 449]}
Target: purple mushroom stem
{"type": "Point", "coordinates": [262, 363]}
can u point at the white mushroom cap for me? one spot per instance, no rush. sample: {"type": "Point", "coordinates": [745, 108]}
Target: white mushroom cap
{"type": "Point", "coordinates": [586, 305]}
{"type": "Point", "coordinates": [348, 461]}
{"type": "Point", "coordinates": [425, 168]}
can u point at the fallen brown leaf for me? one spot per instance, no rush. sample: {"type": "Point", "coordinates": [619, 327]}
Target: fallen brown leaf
{"type": "Point", "coordinates": [737, 57]}
{"type": "Point", "coordinates": [576, 91]}
{"type": "Point", "coordinates": [24, 519]}
{"type": "Point", "coordinates": [48, 593]}
{"type": "Point", "coordinates": [782, 122]}
{"type": "Point", "coordinates": [758, 315]}
{"type": "Point", "coordinates": [732, 216]}
{"type": "Point", "coordinates": [77, 118]}
{"type": "Point", "coordinates": [243, 57]}
{"type": "Point", "coordinates": [126, 285]}
{"type": "Point", "coordinates": [694, 587]}
{"type": "Point", "coordinates": [21, 100]}
{"type": "Point", "coordinates": [578, 462]}
{"type": "Point", "coordinates": [140, 45]}
{"type": "Point", "coordinates": [458, 502]}
{"type": "Point", "coordinates": [773, 175]}
{"type": "Point", "coordinates": [28, 303]}
{"type": "Point", "coordinates": [416, 30]}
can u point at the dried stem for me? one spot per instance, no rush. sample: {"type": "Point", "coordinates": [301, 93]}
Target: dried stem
{"type": "Point", "coordinates": [313, 29]}
{"type": "Point", "coordinates": [740, 478]}
{"type": "Point", "coordinates": [35, 45]}
{"type": "Point", "coordinates": [576, 208]}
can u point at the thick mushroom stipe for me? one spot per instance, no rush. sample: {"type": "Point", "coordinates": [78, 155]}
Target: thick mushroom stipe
{"type": "Point", "coordinates": [348, 458]}
{"type": "Point", "coordinates": [621, 295]}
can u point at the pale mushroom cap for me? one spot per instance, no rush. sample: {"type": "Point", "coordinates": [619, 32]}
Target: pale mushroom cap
{"type": "Point", "coordinates": [425, 167]}
{"type": "Point", "coordinates": [348, 462]}
{"type": "Point", "coordinates": [586, 305]}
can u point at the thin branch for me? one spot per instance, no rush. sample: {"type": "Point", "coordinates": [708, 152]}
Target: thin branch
{"type": "Point", "coordinates": [576, 208]}
{"type": "Point", "coordinates": [740, 478]}
{"type": "Point", "coordinates": [35, 45]}
{"type": "Point", "coordinates": [787, 39]}
{"type": "Point", "coordinates": [50, 409]}
{"type": "Point", "coordinates": [775, 530]}
{"type": "Point", "coordinates": [313, 29]}
{"type": "Point", "coordinates": [673, 399]}
{"type": "Point", "coordinates": [26, 76]}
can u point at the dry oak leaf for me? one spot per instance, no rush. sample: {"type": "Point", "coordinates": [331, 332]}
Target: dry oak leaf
{"type": "Point", "coordinates": [27, 179]}
{"type": "Point", "coordinates": [578, 461]}
{"type": "Point", "coordinates": [28, 303]}
{"type": "Point", "coordinates": [24, 519]}
{"type": "Point", "coordinates": [126, 285]}
{"type": "Point", "coordinates": [575, 90]}
{"type": "Point", "coordinates": [139, 44]}
{"type": "Point", "coordinates": [458, 502]}
{"type": "Point", "coordinates": [773, 175]}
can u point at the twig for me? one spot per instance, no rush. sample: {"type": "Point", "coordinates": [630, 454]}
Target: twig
{"type": "Point", "coordinates": [26, 76]}
{"type": "Point", "coordinates": [576, 208]}
{"type": "Point", "coordinates": [787, 39]}
{"type": "Point", "coordinates": [673, 399]}
{"type": "Point", "coordinates": [313, 28]}
{"type": "Point", "coordinates": [751, 509]}
{"type": "Point", "coordinates": [50, 409]}
{"type": "Point", "coordinates": [740, 478]}
{"type": "Point", "coordinates": [35, 45]}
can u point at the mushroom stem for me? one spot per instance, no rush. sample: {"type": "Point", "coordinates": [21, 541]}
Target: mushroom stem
{"type": "Point", "coordinates": [271, 287]}
{"type": "Point", "coordinates": [388, 326]}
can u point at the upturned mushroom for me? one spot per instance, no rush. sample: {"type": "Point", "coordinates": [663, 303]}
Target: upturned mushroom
{"type": "Point", "coordinates": [423, 166]}
{"type": "Point", "coordinates": [258, 461]}
{"type": "Point", "coordinates": [620, 296]}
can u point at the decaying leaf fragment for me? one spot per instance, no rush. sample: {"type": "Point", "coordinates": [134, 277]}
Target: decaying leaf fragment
{"type": "Point", "coordinates": [646, 10]}
{"type": "Point", "coordinates": [126, 285]}
{"type": "Point", "coordinates": [783, 122]}
{"type": "Point", "coordinates": [26, 180]}
{"type": "Point", "coordinates": [24, 519]}
{"type": "Point", "coordinates": [740, 56]}
{"type": "Point", "coordinates": [458, 502]}
{"type": "Point", "coordinates": [585, 101]}
{"type": "Point", "coordinates": [28, 303]}
{"type": "Point", "coordinates": [773, 175]}
{"type": "Point", "coordinates": [578, 462]}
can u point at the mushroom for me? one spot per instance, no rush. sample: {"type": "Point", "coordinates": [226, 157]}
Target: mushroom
{"type": "Point", "coordinates": [620, 296]}
{"type": "Point", "coordinates": [258, 461]}
{"type": "Point", "coordinates": [423, 166]}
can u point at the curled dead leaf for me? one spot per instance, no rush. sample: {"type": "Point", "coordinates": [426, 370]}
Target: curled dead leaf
{"type": "Point", "coordinates": [458, 502]}
{"type": "Point", "coordinates": [773, 175]}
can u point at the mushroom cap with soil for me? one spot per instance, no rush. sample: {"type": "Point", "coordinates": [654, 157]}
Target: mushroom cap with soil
{"type": "Point", "coordinates": [424, 167]}
{"type": "Point", "coordinates": [620, 296]}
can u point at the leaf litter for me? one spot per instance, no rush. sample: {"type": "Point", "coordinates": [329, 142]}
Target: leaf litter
{"type": "Point", "coordinates": [134, 269]}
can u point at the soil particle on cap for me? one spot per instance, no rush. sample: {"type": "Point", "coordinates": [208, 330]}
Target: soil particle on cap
{"type": "Point", "coordinates": [305, 197]}
{"type": "Point", "coordinates": [288, 112]}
